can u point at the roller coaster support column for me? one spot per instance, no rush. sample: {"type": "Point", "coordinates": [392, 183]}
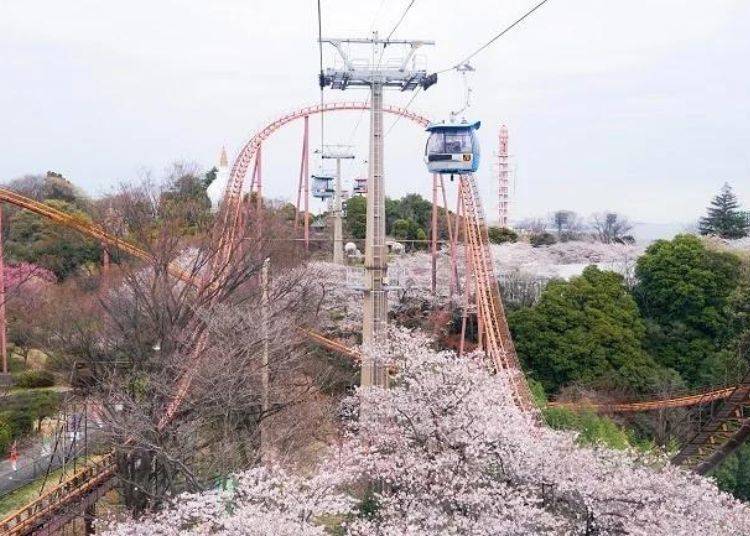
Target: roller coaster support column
{"type": "Point", "coordinates": [259, 183]}
{"type": "Point", "coordinates": [3, 341]}
{"type": "Point", "coordinates": [454, 268]}
{"type": "Point", "coordinates": [304, 173]}
{"type": "Point", "coordinates": [433, 235]}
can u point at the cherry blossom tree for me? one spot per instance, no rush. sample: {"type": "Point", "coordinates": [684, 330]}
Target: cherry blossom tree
{"type": "Point", "coordinates": [444, 451]}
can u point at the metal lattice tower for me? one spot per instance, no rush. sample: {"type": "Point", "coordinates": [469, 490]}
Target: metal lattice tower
{"type": "Point", "coordinates": [404, 75]}
{"type": "Point", "coordinates": [503, 172]}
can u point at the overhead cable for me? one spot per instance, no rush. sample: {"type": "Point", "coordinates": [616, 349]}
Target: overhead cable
{"type": "Point", "coordinates": [403, 15]}
{"type": "Point", "coordinates": [496, 37]}
{"type": "Point", "coordinates": [320, 53]}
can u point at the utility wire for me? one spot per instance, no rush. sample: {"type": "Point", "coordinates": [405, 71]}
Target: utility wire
{"type": "Point", "coordinates": [320, 52]}
{"type": "Point", "coordinates": [403, 15]}
{"type": "Point", "coordinates": [496, 37]}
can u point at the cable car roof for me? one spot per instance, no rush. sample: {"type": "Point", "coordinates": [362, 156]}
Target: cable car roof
{"type": "Point", "coordinates": [463, 125]}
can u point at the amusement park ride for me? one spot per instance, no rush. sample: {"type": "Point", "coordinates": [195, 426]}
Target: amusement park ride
{"type": "Point", "coordinates": [452, 149]}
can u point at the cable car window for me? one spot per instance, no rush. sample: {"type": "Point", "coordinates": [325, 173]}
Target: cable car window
{"type": "Point", "coordinates": [435, 142]}
{"type": "Point", "coordinates": [458, 143]}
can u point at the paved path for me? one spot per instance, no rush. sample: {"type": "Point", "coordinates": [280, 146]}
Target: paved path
{"type": "Point", "coordinates": [34, 459]}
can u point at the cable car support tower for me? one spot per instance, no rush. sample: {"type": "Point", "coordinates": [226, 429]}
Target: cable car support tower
{"type": "Point", "coordinates": [376, 76]}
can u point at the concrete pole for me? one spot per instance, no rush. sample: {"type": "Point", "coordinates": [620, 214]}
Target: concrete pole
{"type": "Point", "coordinates": [265, 376]}
{"type": "Point", "coordinates": [338, 234]}
{"type": "Point", "coordinates": [3, 340]}
{"type": "Point", "coordinates": [376, 262]}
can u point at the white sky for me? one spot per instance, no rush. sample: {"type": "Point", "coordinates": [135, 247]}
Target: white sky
{"type": "Point", "coordinates": [639, 106]}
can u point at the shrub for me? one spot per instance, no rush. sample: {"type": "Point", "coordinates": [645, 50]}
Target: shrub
{"type": "Point", "coordinates": [6, 436]}
{"type": "Point", "coordinates": [592, 429]}
{"type": "Point", "coordinates": [542, 239]}
{"type": "Point", "coordinates": [35, 378]}
{"type": "Point", "coordinates": [500, 235]}
{"type": "Point", "coordinates": [18, 422]}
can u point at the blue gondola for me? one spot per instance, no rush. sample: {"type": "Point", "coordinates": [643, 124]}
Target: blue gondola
{"type": "Point", "coordinates": [452, 147]}
{"type": "Point", "coordinates": [322, 187]}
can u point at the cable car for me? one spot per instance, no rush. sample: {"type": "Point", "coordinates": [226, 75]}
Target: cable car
{"type": "Point", "coordinates": [452, 147]}
{"type": "Point", "coordinates": [322, 187]}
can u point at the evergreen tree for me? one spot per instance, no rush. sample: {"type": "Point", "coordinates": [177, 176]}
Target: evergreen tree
{"type": "Point", "coordinates": [724, 217]}
{"type": "Point", "coordinates": [585, 330]}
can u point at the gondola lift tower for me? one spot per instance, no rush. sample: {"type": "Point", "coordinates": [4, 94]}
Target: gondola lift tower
{"type": "Point", "coordinates": [377, 75]}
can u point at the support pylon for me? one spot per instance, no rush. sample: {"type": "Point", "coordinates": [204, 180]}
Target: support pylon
{"type": "Point", "coordinates": [375, 76]}
{"type": "Point", "coordinates": [376, 260]}
{"type": "Point", "coordinates": [338, 153]}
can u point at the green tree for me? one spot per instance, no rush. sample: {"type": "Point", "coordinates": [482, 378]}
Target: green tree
{"type": "Point", "coordinates": [500, 235]}
{"type": "Point", "coordinates": [37, 240]}
{"type": "Point", "coordinates": [724, 217]}
{"type": "Point", "coordinates": [356, 217]}
{"type": "Point", "coordinates": [733, 475]}
{"type": "Point", "coordinates": [684, 291]}
{"type": "Point", "coordinates": [185, 200]}
{"type": "Point", "coordinates": [586, 330]}
{"type": "Point", "coordinates": [405, 229]}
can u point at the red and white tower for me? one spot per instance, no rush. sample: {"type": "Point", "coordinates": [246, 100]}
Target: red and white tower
{"type": "Point", "coordinates": [503, 175]}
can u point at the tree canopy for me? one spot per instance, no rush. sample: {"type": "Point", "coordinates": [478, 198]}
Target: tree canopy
{"type": "Point", "coordinates": [683, 291]}
{"type": "Point", "coordinates": [587, 330]}
{"type": "Point", "coordinates": [356, 217]}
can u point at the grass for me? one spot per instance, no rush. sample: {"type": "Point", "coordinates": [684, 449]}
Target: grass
{"type": "Point", "coordinates": [23, 495]}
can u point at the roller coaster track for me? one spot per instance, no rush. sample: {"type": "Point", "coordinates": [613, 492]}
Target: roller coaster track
{"type": "Point", "coordinates": [86, 228]}
{"type": "Point", "coordinates": [498, 344]}
{"type": "Point", "coordinates": [685, 401]}
{"type": "Point", "coordinates": [722, 434]}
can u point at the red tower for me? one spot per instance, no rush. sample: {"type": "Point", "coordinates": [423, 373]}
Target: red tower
{"type": "Point", "coordinates": [503, 172]}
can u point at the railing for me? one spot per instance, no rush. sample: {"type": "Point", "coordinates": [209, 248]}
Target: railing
{"type": "Point", "coordinates": [634, 406]}
{"type": "Point", "coordinates": [73, 489]}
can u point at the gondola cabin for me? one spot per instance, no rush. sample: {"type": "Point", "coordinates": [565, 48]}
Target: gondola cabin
{"type": "Point", "coordinates": [322, 187]}
{"type": "Point", "coordinates": [452, 147]}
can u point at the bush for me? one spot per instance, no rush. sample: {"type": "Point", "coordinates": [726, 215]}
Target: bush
{"type": "Point", "coordinates": [542, 239]}
{"type": "Point", "coordinates": [18, 422]}
{"type": "Point", "coordinates": [35, 378]}
{"type": "Point", "coordinates": [592, 429]}
{"type": "Point", "coordinates": [6, 437]}
{"type": "Point", "coordinates": [500, 235]}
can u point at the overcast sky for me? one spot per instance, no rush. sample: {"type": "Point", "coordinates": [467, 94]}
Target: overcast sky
{"type": "Point", "coordinates": [639, 106]}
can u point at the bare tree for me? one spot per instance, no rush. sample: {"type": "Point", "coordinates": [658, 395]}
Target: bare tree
{"type": "Point", "coordinates": [532, 225]}
{"type": "Point", "coordinates": [568, 224]}
{"type": "Point", "coordinates": [611, 227]}
{"type": "Point", "coordinates": [145, 332]}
